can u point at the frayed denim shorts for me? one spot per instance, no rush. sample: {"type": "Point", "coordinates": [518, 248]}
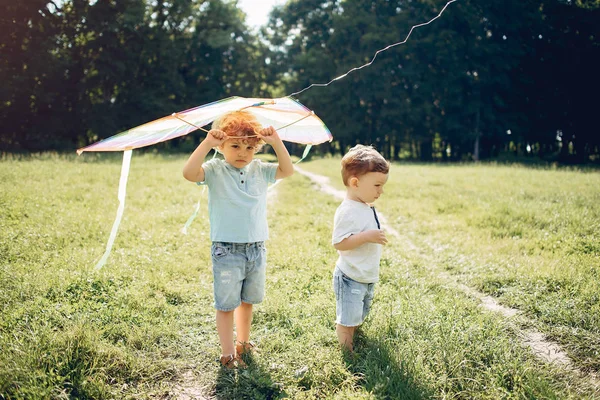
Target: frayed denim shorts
{"type": "Point", "coordinates": [238, 273]}
{"type": "Point", "coordinates": [352, 299]}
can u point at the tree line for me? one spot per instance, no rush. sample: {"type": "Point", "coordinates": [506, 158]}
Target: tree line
{"type": "Point", "coordinates": [484, 80]}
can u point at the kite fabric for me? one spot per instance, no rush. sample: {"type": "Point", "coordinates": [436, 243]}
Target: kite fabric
{"type": "Point", "coordinates": [293, 122]}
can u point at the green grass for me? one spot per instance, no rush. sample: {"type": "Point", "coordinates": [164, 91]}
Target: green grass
{"type": "Point", "coordinates": [530, 237]}
{"type": "Point", "coordinates": [143, 326]}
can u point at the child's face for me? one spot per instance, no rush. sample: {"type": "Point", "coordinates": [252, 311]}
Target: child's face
{"type": "Point", "coordinates": [368, 187]}
{"type": "Point", "coordinates": [237, 153]}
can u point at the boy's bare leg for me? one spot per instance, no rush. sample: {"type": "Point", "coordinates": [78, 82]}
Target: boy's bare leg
{"type": "Point", "coordinates": [225, 331]}
{"type": "Point", "coordinates": [243, 321]}
{"type": "Point", "coordinates": [345, 335]}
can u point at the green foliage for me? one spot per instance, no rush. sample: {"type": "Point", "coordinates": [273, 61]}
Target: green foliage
{"type": "Point", "coordinates": [469, 77]}
{"type": "Point", "coordinates": [80, 71]}
{"type": "Point", "coordinates": [484, 80]}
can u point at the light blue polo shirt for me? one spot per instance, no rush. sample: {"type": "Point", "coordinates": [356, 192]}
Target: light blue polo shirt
{"type": "Point", "coordinates": [237, 200]}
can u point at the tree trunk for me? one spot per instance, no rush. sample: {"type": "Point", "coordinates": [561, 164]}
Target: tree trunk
{"type": "Point", "coordinates": [477, 137]}
{"type": "Point", "coordinates": [445, 147]}
{"type": "Point", "coordinates": [564, 150]}
{"type": "Point", "coordinates": [426, 150]}
{"type": "Point", "coordinates": [581, 153]}
{"type": "Point", "coordinates": [342, 147]}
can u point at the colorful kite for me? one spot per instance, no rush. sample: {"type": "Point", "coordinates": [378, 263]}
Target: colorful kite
{"type": "Point", "coordinates": [293, 122]}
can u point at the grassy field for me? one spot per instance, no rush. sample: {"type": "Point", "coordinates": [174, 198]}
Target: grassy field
{"type": "Point", "coordinates": [143, 326]}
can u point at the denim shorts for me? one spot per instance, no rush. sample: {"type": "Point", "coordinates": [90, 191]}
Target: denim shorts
{"type": "Point", "coordinates": [352, 299]}
{"type": "Point", "coordinates": [238, 273]}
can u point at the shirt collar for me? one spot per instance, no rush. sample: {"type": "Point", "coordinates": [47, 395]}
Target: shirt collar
{"type": "Point", "coordinates": [359, 203]}
{"type": "Point", "coordinates": [234, 169]}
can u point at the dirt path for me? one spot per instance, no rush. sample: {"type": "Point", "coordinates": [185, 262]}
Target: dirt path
{"type": "Point", "coordinates": [544, 349]}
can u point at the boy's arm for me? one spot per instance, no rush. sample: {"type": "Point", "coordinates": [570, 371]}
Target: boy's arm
{"type": "Point", "coordinates": [285, 167]}
{"type": "Point", "coordinates": [192, 170]}
{"type": "Point", "coordinates": [358, 239]}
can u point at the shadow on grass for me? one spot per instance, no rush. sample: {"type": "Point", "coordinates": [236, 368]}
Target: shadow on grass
{"type": "Point", "coordinates": [381, 373]}
{"type": "Point", "coordinates": [253, 382]}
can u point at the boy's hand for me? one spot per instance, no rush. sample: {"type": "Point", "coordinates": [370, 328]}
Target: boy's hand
{"type": "Point", "coordinates": [375, 236]}
{"type": "Point", "coordinates": [269, 135]}
{"type": "Point", "coordinates": [215, 137]}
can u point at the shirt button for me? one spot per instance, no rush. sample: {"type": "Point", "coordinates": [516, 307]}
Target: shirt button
{"type": "Point", "coordinates": [241, 173]}
{"type": "Point", "coordinates": [242, 181]}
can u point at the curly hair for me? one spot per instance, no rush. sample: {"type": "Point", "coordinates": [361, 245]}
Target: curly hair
{"type": "Point", "coordinates": [361, 160]}
{"type": "Point", "coordinates": [240, 123]}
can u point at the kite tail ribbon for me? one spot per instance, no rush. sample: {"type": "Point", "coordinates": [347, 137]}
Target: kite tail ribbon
{"type": "Point", "coordinates": [306, 151]}
{"type": "Point", "coordinates": [192, 217]}
{"type": "Point", "coordinates": [121, 196]}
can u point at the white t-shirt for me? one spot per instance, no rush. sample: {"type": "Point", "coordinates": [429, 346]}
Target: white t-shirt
{"type": "Point", "coordinates": [361, 263]}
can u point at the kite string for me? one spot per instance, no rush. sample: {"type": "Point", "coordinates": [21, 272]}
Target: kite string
{"type": "Point", "coordinates": [376, 53]}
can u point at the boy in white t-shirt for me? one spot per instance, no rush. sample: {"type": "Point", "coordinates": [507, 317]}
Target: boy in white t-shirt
{"type": "Point", "coordinates": [358, 238]}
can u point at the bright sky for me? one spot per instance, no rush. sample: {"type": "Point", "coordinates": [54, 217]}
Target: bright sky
{"type": "Point", "coordinates": [258, 10]}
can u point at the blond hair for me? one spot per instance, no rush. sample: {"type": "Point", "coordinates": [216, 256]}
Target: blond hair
{"type": "Point", "coordinates": [361, 160]}
{"type": "Point", "coordinates": [240, 124]}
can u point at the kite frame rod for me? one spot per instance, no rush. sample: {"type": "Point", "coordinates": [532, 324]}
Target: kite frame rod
{"type": "Point", "coordinates": [242, 137]}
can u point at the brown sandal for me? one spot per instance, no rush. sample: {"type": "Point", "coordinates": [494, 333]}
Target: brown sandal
{"type": "Point", "coordinates": [230, 362]}
{"type": "Point", "coordinates": [245, 347]}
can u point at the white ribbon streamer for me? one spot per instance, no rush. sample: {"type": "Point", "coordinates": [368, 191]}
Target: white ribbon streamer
{"type": "Point", "coordinates": [192, 217]}
{"type": "Point", "coordinates": [121, 196]}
